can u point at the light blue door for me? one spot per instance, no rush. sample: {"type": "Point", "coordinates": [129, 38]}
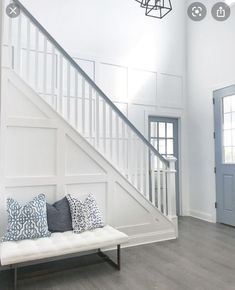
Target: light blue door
{"type": "Point", "coordinates": [224, 113]}
{"type": "Point", "coordinates": [163, 135]}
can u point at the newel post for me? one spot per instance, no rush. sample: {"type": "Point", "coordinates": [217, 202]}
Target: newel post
{"type": "Point", "coordinates": [171, 192]}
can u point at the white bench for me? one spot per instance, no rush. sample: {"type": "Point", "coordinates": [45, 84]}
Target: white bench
{"type": "Point", "coordinates": [60, 245]}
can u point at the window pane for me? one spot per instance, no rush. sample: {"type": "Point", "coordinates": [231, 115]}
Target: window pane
{"type": "Point", "coordinates": [169, 130]}
{"type": "Point", "coordinates": [227, 121]}
{"type": "Point", "coordinates": [233, 103]}
{"type": "Point", "coordinates": [162, 146]}
{"type": "Point", "coordinates": [162, 130]}
{"type": "Point", "coordinates": [227, 138]}
{"type": "Point", "coordinates": [227, 104]}
{"type": "Point", "coordinates": [233, 137]}
{"type": "Point", "coordinates": [170, 149]}
{"type": "Point", "coordinates": [233, 154]}
{"type": "Point", "coordinates": [154, 143]}
{"type": "Point", "coordinates": [153, 129]}
{"type": "Point", "coordinates": [233, 120]}
{"type": "Point", "coordinates": [228, 154]}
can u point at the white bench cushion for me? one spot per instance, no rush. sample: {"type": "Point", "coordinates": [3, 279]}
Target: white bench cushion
{"type": "Point", "coordinates": [59, 244]}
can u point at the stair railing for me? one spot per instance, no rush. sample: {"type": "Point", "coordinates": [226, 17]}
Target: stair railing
{"type": "Point", "coordinates": [45, 66]}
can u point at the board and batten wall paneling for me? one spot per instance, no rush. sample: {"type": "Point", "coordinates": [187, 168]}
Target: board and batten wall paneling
{"type": "Point", "coordinates": [52, 158]}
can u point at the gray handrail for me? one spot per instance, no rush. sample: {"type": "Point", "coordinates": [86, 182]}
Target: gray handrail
{"type": "Point", "coordinates": [89, 80]}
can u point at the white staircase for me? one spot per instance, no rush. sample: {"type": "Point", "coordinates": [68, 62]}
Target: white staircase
{"type": "Point", "coordinates": [41, 65]}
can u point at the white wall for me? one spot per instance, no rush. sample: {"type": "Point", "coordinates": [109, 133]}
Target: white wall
{"type": "Point", "coordinates": [211, 64]}
{"type": "Point", "coordinates": [117, 30]}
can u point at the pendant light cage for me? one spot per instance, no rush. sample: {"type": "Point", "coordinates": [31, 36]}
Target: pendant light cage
{"type": "Point", "coordinates": [156, 8]}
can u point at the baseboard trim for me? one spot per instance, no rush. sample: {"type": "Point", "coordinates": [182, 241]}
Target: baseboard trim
{"type": "Point", "coordinates": [150, 238]}
{"type": "Point", "coordinates": [201, 215]}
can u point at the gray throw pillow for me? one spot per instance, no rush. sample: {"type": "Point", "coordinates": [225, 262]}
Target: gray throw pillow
{"type": "Point", "coordinates": [85, 214]}
{"type": "Point", "coordinates": [27, 221]}
{"type": "Point", "coordinates": [59, 216]}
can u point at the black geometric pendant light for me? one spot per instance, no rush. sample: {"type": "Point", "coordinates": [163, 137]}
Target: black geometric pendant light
{"type": "Point", "coordinates": [156, 8]}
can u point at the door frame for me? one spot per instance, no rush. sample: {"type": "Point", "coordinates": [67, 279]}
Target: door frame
{"type": "Point", "coordinates": [179, 176]}
{"type": "Point", "coordinates": [216, 125]}
{"type": "Point", "coordinates": [212, 89]}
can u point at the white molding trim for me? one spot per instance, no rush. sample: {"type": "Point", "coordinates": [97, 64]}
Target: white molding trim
{"type": "Point", "coordinates": [201, 215]}
{"type": "Point", "coordinates": [149, 238]}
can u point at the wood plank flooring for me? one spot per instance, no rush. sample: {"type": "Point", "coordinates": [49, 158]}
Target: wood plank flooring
{"type": "Point", "coordinates": [203, 258]}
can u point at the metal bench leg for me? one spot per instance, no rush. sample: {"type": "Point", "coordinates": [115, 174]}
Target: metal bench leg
{"type": "Point", "coordinates": [116, 265]}
{"type": "Point", "coordinates": [15, 277]}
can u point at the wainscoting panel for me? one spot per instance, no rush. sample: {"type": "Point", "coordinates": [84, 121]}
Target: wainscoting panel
{"type": "Point", "coordinates": [78, 162]}
{"type": "Point", "coordinates": [20, 106]}
{"type": "Point", "coordinates": [113, 80]}
{"type": "Point", "coordinates": [26, 193]}
{"type": "Point", "coordinates": [142, 87]}
{"type": "Point", "coordinates": [88, 66]}
{"type": "Point", "coordinates": [170, 91]}
{"type": "Point", "coordinates": [30, 152]}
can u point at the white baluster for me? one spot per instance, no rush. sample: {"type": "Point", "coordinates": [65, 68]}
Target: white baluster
{"type": "Point", "coordinates": [171, 192]}
{"type": "Point", "coordinates": [135, 160]}
{"type": "Point", "coordinates": [53, 99]}
{"type": "Point", "coordinates": [147, 171]}
{"type": "Point", "coordinates": [83, 105]}
{"type": "Point", "coordinates": [117, 139]}
{"type": "Point", "coordinates": [129, 154]}
{"type": "Point", "coordinates": [28, 50]}
{"type": "Point", "coordinates": [159, 200]}
{"type": "Point", "coordinates": [36, 58]}
{"type": "Point", "coordinates": [141, 167]}
{"type": "Point", "coordinates": [153, 187]}
{"type": "Point", "coordinates": [68, 93]}
{"type": "Point", "coordinates": [97, 121]}
{"type": "Point", "coordinates": [90, 113]}
{"type": "Point", "coordinates": [111, 132]}
{"type": "Point", "coordinates": [61, 84]}
{"type": "Point", "coordinates": [123, 156]}
{"type": "Point", "coordinates": [18, 46]}
{"type": "Point", "coordinates": [76, 99]}
{"type": "Point", "coordinates": [10, 42]}
{"type": "Point", "coordinates": [45, 67]}
{"type": "Point", "coordinates": [164, 192]}
{"type": "Point", "coordinates": [104, 126]}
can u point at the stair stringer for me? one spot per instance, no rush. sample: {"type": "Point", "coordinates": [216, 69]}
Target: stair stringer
{"type": "Point", "coordinates": [73, 166]}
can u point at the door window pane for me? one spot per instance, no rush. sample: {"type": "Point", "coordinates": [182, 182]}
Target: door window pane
{"type": "Point", "coordinates": [227, 138]}
{"type": "Point", "coordinates": [227, 104]}
{"type": "Point", "coordinates": [169, 130]}
{"type": "Point", "coordinates": [228, 157]}
{"type": "Point", "coordinates": [162, 146]}
{"type": "Point", "coordinates": [154, 143]}
{"type": "Point", "coordinates": [153, 129]}
{"type": "Point", "coordinates": [233, 120]}
{"type": "Point", "coordinates": [229, 129]}
{"type": "Point", "coordinates": [162, 130]}
{"type": "Point", "coordinates": [233, 103]}
{"type": "Point", "coordinates": [170, 150]}
{"type": "Point", "coordinates": [227, 121]}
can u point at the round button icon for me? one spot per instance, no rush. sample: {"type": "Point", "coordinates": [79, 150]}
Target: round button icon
{"type": "Point", "coordinates": [13, 10]}
{"type": "Point", "coordinates": [197, 11]}
{"type": "Point", "coordinates": [221, 11]}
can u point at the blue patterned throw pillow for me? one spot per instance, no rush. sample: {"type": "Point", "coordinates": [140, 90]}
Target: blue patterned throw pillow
{"type": "Point", "coordinates": [28, 221]}
{"type": "Point", "coordinates": [85, 214]}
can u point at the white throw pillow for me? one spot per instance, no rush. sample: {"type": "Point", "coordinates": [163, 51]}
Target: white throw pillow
{"type": "Point", "coordinates": [85, 213]}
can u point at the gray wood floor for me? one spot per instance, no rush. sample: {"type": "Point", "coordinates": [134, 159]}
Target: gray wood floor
{"type": "Point", "coordinates": [202, 258]}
